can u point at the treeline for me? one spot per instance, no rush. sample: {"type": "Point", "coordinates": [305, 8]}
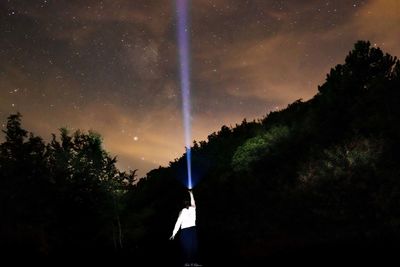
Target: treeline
{"type": "Point", "coordinates": [320, 176]}
{"type": "Point", "coordinates": [314, 178]}
{"type": "Point", "coordinates": [63, 197]}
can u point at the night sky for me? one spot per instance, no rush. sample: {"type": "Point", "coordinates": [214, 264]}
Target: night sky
{"type": "Point", "coordinates": [112, 66]}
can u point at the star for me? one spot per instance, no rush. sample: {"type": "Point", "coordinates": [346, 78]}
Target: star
{"type": "Point", "coordinates": [101, 64]}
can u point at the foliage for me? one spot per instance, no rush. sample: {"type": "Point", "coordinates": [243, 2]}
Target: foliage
{"type": "Point", "coordinates": [258, 147]}
{"type": "Point", "coordinates": [57, 196]}
{"type": "Point", "coordinates": [316, 172]}
{"type": "Point", "coordinates": [322, 171]}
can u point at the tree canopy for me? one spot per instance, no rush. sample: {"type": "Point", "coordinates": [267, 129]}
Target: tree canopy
{"type": "Point", "coordinates": [318, 174]}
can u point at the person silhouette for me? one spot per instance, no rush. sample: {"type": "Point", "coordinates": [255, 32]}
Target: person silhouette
{"type": "Point", "coordinates": [186, 222]}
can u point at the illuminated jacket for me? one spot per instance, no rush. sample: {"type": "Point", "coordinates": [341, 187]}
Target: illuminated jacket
{"type": "Point", "coordinates": [187, 216]}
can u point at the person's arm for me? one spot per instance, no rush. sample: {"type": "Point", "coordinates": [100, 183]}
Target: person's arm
{"type": "Point", "coordinates": [192, 203]}
{"type": "Point", "coordinates": [177, 226]}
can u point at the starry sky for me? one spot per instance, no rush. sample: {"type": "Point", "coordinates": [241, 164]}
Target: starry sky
{"type": "Point", "coordinates": [111, 66]}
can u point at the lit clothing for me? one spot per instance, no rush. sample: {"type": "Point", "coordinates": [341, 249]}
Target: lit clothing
{"type": "Point", "coordinates": [187, 217]}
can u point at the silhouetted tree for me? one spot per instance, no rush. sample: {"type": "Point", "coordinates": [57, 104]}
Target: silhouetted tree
{"type": "Point", "coordinates": [320, 173]}
{"type": "Point", "coordinates": [316, 172]}
{"type": "Point", "coordinates": [59, 197]}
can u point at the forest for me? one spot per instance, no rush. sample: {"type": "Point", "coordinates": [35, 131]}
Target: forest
{"type": "Point", "coordinates": [319, 178]}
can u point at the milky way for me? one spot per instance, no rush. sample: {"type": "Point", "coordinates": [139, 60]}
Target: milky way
{"type": "Point", "coordinates": [112, 66]}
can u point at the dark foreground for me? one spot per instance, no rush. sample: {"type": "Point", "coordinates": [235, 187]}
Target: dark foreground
{"type": "Point", "coordinates": [339, 252]}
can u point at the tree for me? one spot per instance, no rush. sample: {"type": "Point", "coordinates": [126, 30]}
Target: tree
{"type": "Point", "coordinates": [259, 147]}
{"type": "Point", "coordinates": [59, 197]}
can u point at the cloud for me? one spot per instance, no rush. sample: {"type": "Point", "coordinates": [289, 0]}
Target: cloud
{"type": "Point", "coordinates": [157, 142]}
{"type": "Point", "coordinates": [77, 22]}
{"type": "Point", "coordinates": [275, 69]}
{"type": "Point", "coordinates": [111, 66]}
{"type": "Point", "coordinates": [279, 54]}
{"type": "Point", "coordinates": [379, 22]}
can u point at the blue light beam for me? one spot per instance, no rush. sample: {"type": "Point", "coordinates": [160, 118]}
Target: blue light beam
{"type": "Point", "coordinates": [184, 60]}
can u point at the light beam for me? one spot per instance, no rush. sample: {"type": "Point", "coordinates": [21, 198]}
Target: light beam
{"type": "Point", "coordinates": [184, 63]}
